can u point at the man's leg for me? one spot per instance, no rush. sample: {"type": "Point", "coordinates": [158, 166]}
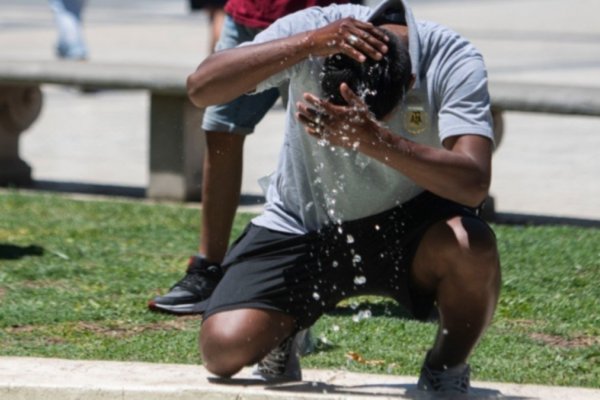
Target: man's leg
{"type": "Point", "coordinates": [222, 180]}
{"type": "Point", "coordinates": [458, 260]}
{"type": "Point", "coordinates": [234, 339]}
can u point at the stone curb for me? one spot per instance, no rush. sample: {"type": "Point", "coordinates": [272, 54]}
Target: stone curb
{"type": "Point", "coordinates": [57, 379]}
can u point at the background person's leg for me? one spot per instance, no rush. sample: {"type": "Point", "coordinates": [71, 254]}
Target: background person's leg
{"type": "Point", "coordinates": [231, 340]}
{"type": "Point", "coordinates": [221, 184]}
{"type": "Point", "coordinates": [458, 261]}
{"type": "Point", "coordinates": [67, 14]}
{"type": "Point", "coordinates": [217, 17]}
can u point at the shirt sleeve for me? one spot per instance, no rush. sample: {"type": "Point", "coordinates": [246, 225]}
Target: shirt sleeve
{"type": "Point", "coordinates": [465, 101]}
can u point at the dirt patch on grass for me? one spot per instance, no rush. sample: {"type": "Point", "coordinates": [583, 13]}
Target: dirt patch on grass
{"type": "Point", "coordinates": [122, 330]}
{"type": "Point", "coordinates": [44, 283]}
{"type": "Point", "coordinates": [559, 341]}
{"type": "Point", "coordinates": [22, 328]}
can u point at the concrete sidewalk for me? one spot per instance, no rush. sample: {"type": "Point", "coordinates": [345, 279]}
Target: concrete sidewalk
{"type": "Point", "coordinates": [55, 379]}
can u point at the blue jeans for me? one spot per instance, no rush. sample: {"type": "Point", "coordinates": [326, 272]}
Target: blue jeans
{"type": "Point", "coordinates": [242, 114]}
{"type": "Point", "coordinates": [67, 14]}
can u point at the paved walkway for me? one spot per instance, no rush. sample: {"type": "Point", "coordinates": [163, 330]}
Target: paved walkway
{"type": "Point", "coordinates": [53, 379]}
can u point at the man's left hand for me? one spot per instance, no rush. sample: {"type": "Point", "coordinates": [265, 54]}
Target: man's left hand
{"type": "Point", "coordinates": [349, 126]}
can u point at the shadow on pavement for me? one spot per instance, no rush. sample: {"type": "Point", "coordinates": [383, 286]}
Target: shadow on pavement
{"type": "Point", "coordinates": [523, 219]}
{"type": "Point", "coordinates": [250, 200]}
{"type": "Point", "coordinates": [403, 391]}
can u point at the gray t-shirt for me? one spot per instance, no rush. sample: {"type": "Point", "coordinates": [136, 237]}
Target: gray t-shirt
{"type": "Point", "coordinates": [315, 183]}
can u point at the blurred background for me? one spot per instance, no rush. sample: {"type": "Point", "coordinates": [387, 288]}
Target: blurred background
{"type": "Point", "coordinates": [545, 165]}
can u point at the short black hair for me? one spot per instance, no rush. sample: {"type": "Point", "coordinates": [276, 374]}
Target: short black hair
{"type": "Point", "coordinates": [380, 83]}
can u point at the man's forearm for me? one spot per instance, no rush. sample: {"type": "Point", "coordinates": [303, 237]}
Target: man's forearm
{"type": "Point", "coordinates": [460, 173]}
{"type": "Point", "coordinates": [227, 74]}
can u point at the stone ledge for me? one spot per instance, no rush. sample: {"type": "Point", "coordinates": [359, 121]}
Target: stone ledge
{"type": "Point", "coordinates": [57, 379]}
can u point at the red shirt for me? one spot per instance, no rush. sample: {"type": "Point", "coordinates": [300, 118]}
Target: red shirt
{"type": "Point", "coordinates": [262, 13]}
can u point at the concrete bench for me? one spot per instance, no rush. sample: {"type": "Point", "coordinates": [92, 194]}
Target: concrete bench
{"type": "Point", "coordinates": [176, 147]}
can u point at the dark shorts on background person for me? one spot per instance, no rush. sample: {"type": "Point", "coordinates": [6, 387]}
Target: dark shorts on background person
{"type": "Point", "coordinates": [307, 275]}
{"type": "Point", "coordinates": [202, 4]}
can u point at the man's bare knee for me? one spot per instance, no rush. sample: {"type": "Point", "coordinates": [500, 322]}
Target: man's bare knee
{"type": "Point", "coordinates": [231, 340]}
{"type": "Point", "coordinates": [224, 351]}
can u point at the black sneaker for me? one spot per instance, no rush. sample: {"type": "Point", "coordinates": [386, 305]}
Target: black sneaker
{"type": "Point", "coordinates": [190, 295]}
{"type": "Point", "coordinates": [283, 362]}
{"type": "Point", "coordinates": [455, 380]}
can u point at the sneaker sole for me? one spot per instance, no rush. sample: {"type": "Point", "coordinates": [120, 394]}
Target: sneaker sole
{"type": "Point", "coordinates": [179, 309]}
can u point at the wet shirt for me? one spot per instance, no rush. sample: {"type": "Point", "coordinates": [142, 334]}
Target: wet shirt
{"type": "Point", "coordinates": [317, 184]}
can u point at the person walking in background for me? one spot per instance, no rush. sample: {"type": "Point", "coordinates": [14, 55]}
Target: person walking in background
{"type": "Point", "coordinates": [216, 16]}
{"type": "Point", "coordinates": [226, 127]}
{"type": "Point", "coordinates": [71, 44]}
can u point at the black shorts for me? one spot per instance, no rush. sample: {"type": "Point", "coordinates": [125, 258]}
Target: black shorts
{"type": "Point", "coordinates": [307, 275]}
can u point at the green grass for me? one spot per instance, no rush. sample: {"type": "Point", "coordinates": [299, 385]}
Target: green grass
{"type": "Point", "coordinates": [75, 277]}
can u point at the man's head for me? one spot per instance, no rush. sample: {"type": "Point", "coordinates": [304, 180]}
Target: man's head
{"type": "Point", "coordinates": [381, 84]}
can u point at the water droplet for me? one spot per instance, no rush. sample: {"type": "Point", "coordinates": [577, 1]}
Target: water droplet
{"type": "Point", "coordinates": [356, 259]}
{"type": "Point", "coordinates": [336, 328]}
{"type": "Point", "coordinates": [309, 205]}
{"type": "Point", "coordinates": [360, 280]}
{"type": "Point", "coordinates": [377, 227]}
{"type": "Point", "coordinates": [334, 264]}
{"type": "Point", "coordinates": [349, 239]}
{"type": "Point", "coordinates": [444, 331]}
{"type": "Point", "coordinates": [316, 296]}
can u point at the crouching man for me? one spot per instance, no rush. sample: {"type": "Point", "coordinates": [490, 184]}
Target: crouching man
{"type": "Point", "coordinates": [385, 161]}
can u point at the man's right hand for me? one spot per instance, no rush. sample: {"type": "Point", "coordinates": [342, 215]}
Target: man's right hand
{"type": "Point", "coordinates": [356, 39]}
